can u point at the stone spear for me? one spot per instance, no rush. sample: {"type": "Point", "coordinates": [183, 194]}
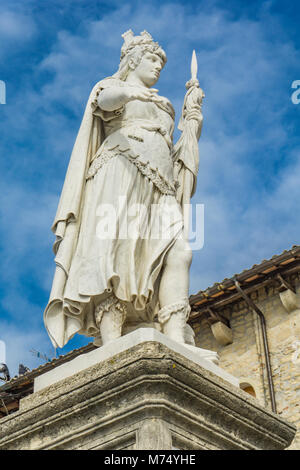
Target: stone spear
{"type": "Point", "coordinates": [186, 152]}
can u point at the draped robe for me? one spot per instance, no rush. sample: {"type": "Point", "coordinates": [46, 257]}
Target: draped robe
{"type": "Point", "coordinates": [121, 160]}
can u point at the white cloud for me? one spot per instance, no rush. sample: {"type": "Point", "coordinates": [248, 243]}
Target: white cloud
{"type": "Point", "coordinates": [26, 247]}
{"type": "Point", "coordinates": [16, 28]}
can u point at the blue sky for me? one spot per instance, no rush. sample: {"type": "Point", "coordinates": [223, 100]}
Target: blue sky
{"type": "Point", "coordinates": [52, 52]}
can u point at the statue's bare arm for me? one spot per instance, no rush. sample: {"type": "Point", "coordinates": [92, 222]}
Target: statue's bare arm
{"type": "Point", "coordinates": [114, 98]}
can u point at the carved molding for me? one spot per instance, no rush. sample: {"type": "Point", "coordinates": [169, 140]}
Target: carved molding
{"type": "Point", "coordinates": [147, 389]}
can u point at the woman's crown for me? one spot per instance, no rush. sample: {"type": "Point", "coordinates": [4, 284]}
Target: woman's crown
{"type": "Point", "coordinates": [131, 41]}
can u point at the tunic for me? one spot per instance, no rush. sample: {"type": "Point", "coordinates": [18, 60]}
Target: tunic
{"type": "Point", "coordinates": [130, 215]}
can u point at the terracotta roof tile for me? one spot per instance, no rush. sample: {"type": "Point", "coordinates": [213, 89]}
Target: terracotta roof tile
{"type": "Point", "coordinates": [249, 275]}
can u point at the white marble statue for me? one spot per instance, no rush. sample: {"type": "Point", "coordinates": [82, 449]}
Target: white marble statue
{"type": "Point", "coordinates": [110, 282]}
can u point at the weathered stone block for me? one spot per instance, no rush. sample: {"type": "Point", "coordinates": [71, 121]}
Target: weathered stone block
{"type": "Point", "coordinates": [145, 397]}
{"type": "Point", "coordinates": [289, 300]}
{"type": "Point", "coordinates": [222, 333]}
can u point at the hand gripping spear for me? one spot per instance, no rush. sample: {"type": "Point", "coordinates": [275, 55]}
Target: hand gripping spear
{"type": "Point", "coordinates": [186, 153]}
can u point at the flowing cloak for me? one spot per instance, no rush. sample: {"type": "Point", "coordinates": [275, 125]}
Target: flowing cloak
{"type": "Point", "coordinates": [67, 220]}
{"type": "Point", "coordinates": [61, 326]}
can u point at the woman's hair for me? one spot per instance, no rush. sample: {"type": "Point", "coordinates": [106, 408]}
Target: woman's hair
{"type": "Point", "coordinates": [135, 55]}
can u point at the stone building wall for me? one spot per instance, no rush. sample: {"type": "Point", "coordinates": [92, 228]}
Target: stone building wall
{"type": "Point", "coordinates": [244, 358]}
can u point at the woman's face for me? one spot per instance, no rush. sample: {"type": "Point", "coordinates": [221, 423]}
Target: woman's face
{"type": "Point", "coordinates": [149, 68]}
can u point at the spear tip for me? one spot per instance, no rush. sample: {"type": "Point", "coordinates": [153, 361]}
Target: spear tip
{"type": "Point", "coordinates": [194, 66]}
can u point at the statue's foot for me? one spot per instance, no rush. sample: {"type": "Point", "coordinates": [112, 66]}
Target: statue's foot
{"type": "Point", "coordinates": [173, 319]}
{"type": "Point", "coordinates": [174, 335]}
{"type": "Point", "coordinates": [211, 356]}
{"type": "Point", "coordinates": [110, 316]}
{"type": "Point", "coordinates": [111, 327]}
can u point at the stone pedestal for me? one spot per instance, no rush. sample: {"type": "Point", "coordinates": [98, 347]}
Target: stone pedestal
{"type": "Point", "coordinates": [144, 392]}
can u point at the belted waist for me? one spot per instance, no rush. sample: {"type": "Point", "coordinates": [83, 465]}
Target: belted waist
{"type": "Point", "coordinates": [147, 125]}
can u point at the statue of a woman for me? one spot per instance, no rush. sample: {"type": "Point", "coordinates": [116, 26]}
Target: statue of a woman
{"type": "Point", "coordinates": [106, 284]}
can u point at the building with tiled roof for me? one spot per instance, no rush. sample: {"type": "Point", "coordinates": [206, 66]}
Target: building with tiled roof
{"type": "Point", "coordinates": [251, 319]}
